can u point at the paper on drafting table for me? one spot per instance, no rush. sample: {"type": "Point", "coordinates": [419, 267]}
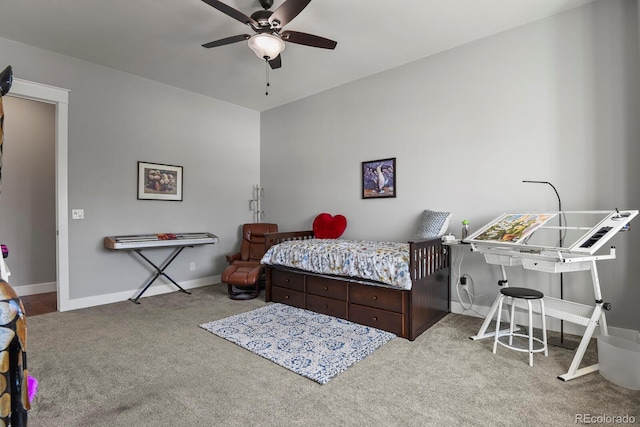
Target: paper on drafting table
{"type": "Point", "coordinates": [514, 228]}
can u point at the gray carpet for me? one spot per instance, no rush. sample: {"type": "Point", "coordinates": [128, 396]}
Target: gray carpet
{"type": "Point", "coordinates": [152, 365]}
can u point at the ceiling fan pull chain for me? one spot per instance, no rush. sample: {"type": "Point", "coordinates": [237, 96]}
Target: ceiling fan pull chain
{"type": "Point", "coordinates": [266, 63]}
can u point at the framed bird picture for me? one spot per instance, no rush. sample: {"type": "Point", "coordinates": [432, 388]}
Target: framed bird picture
{"type": "Point", "coordinates": [379, 179]}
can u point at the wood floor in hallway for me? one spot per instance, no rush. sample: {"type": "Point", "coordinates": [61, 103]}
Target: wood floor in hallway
{"type": "Point", "coordinates": [40, 303]}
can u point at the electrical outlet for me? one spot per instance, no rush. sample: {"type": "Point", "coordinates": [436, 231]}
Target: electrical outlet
{"type": "Point", "coordinates": [192, 266]}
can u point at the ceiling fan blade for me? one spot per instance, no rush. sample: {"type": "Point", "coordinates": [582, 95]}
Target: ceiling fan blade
{"type": "Point", "coordinates": [235, 14]}
{"type": "Point", "coordinates": [308, 39]}
{"type": "Point", "coordinates": [287, 11]}
{"type": "Point", "coordinates": [228, 40]}
{"type": "Point", "coordinates": [276, 63]}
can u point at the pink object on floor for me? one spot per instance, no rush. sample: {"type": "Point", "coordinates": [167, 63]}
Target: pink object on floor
{"type": "Point", "coordinates": [32, 387]}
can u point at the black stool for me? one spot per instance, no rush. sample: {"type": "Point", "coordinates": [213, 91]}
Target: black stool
{"type": "Point", "coordinates": [528, 295]}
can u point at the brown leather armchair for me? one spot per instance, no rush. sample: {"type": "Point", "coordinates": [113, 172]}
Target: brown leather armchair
{"type": "Point", "coordinates": [244, 274]}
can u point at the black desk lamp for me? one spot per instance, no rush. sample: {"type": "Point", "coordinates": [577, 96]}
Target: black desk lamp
{"type": "Point", "coordinates": [552, 341]}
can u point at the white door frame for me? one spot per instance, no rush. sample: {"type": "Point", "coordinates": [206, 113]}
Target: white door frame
{"type": "Point", "coordinates": [60, 98]}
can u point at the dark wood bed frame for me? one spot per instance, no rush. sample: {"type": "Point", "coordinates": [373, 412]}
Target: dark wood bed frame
{"type": "Point", "coordinates": [406, 313]}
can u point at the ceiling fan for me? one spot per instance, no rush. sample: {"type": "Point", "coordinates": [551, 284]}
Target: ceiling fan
{"type": "Point", "coordinates": [268, 40]}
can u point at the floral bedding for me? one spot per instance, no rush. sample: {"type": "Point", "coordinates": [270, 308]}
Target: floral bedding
{"type": "Point", "coordinates": [383, 262]}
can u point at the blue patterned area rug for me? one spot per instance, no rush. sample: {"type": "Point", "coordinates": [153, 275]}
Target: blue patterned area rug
{"type": "Point", "coordinates": [313, 345]}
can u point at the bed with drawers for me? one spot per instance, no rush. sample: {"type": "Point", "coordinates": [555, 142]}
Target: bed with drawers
{"type": "Point", "coordinates": [406, 308]}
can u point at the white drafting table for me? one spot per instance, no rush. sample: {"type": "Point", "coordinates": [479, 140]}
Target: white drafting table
{"type": "Point", "coordinates": [554, 242]}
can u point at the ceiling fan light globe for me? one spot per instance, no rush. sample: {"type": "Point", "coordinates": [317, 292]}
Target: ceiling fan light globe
{"type": "Point", "coordinates": [266, 46]}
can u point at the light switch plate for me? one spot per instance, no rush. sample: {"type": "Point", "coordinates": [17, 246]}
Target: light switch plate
{"type": "Point", "coordinates": [77, 214]}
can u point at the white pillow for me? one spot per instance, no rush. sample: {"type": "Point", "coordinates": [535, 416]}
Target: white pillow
{"type": "Point", "coordinates": [433, 224]}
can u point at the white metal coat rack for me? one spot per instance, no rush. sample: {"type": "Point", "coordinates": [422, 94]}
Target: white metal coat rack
{"type": "Point", "coordinates": [255, 204]}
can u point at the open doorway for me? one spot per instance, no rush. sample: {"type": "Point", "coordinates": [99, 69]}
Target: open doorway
{"type": "Point", "coordinates": [60, 99]}
{"type": "Point", "coordinates": [27, 201]}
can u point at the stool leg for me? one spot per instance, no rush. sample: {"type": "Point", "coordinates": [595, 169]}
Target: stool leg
{"type": "Point", "coordinates": [544, 328]}
{"type": "Point", "coordinates": [512, 322]}
{"type": "Point", "coordinates": [495, 338]}
{"type": "Point", "coordinates": [530, 333]}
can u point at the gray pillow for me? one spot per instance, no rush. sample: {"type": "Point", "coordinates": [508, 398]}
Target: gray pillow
{"type": "Point", "coordinates": [433, 224]}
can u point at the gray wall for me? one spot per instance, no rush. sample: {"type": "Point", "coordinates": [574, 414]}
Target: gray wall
{"type": "Point", "coordinates": [554, 100]}
{"type": "Point", "coordinates": [27, 202]}
{"type": "Point", "coordinates": [116, 120]}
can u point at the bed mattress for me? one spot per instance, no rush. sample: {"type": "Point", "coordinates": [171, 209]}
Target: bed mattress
{"type": "Point", "coordinates": [384, 262]}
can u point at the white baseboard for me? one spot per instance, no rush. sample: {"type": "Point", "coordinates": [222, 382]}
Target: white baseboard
{"type": "Point", "coordinates": [155, 289]}
{"type": "Point", "coordinates": [37, 288]}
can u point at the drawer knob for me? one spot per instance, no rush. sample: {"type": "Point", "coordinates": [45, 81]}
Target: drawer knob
{"type": "Point", "coordinates": [326, 306]}
{"type": "Point", "coordinates": [375, 297]}
{"type": "Point", "coordinates": [326, 288]}
{"type": "Point", "coordinates": [286, 280]}
{"type": "Point", "coordinates": [286, 297]}
{"type": "Point", "coordinates": [375, 319]}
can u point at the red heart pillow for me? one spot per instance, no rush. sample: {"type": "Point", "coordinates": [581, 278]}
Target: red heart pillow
{"type": "Point", "coordinates": [326, 226]}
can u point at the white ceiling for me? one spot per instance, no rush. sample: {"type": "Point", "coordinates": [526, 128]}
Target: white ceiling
{"type": "Point", "coordinates": [161, 39]}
